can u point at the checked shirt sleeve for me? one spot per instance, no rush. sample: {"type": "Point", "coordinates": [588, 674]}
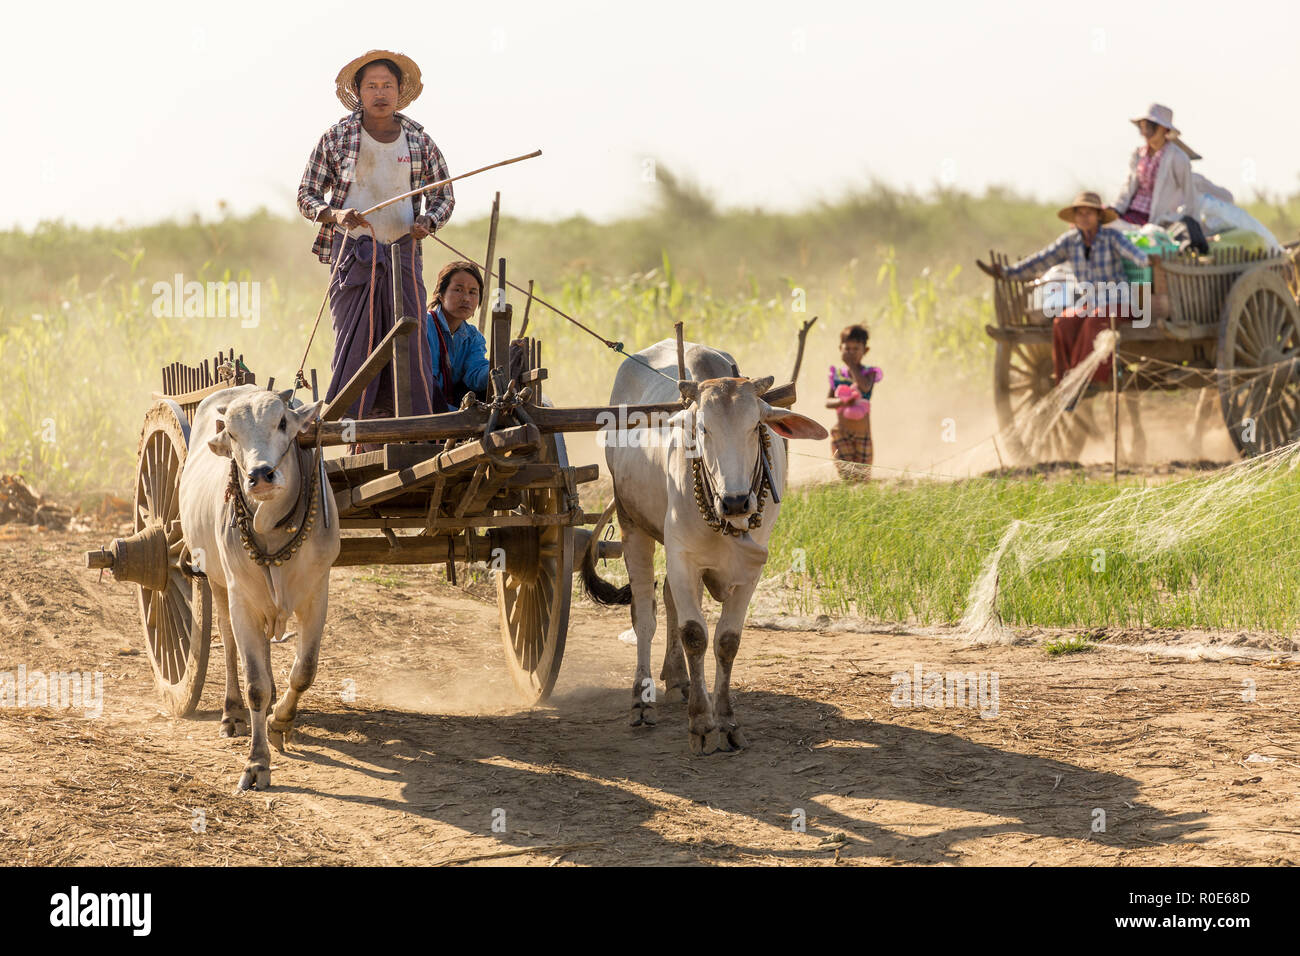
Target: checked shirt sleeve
{"type": "Point", "coordinates": [1042, 260]}
{"type": "Point", "coordinates": [317, 180]}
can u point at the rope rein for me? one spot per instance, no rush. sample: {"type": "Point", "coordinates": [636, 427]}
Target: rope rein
{"type": "Point", "coordinates": [608, 343]}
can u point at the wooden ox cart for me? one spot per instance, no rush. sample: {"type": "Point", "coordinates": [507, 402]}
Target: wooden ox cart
{"type": "Point", "coordinates": [1229, 321]}
{"type": "Point", "coordinates": [489, 482]}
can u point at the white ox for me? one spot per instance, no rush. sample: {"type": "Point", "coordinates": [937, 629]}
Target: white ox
{"type": "Point", "coordinates": [258, 430]}
{"type": "Point", "coordinates": [655, 498]}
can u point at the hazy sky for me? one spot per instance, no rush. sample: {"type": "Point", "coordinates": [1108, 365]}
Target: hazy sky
{"type": "Point", "coordinates": [143, 111]}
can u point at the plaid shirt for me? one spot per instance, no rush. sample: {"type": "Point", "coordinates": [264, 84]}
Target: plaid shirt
{"type": "Point", "coordinates": [1099, 264]}
{"type": "Point", "coordinates": [332, 168]}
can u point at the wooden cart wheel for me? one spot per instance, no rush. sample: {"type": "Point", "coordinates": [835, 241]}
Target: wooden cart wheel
{"type": "Point", "coordinates": [1022, 374]}
{"type": "Point", "coordinates": [534, 592]}
{"type": "Point", "coordinates": [177, 612]}
{"type": "Point", "coordinates": [1259, 340]}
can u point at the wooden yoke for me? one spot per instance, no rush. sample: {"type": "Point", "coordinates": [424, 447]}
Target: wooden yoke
{"type": "Point", "coordinates": [499, 356]}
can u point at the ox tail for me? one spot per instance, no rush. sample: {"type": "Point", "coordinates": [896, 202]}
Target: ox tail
{"type": "Point", "coordinates": [600, 590]}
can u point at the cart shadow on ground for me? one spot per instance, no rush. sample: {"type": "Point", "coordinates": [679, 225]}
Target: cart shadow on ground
{"type": "Point", "coordinates": [583, 776]}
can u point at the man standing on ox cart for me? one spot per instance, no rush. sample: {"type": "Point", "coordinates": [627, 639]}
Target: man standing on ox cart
{"type": "Point", "coordinates": [369, 156]}
{"type": "Point", "coordinates": [1094, 256]}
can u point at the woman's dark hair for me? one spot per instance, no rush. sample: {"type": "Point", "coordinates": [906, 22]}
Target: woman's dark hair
{"type": "Point", "coordinates": [854, 333]}
{"type": "Point", "coordinates": [445, 276]}
{"type": "Point", "coordinates": [389, 64]}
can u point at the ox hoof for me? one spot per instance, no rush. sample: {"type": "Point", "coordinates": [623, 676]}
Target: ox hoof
{"type": "Point", "coordinates": [256, 776]}
{"type": "Point", "coordinates": [700, 745]}
{"type": "Point", "coordinates": [643, 715]}
{"type": "Point", "coordinates": [678, 693]}
{"type": "Point", "coordinates": [230, 727]}
{"type": "Point", "coordinates": [280, 734]}
{"type": "Point", "coordinates": [737, 739]}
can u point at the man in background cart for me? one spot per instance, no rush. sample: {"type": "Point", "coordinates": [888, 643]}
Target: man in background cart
{"type": "Point", "coordinates": [373, 154]}
{"type": "Point", "coordinates": [1094, 256]}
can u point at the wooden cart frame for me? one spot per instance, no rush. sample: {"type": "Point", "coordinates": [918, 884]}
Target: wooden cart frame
{"type": "Point", "coordinates": [1228, 321]}
{"type": "Point", "coordinates": [489, 482]}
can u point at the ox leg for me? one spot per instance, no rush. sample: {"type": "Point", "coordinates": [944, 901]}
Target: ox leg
{"type": "Point", "coordinates": [311, 625]}
{"type": "Point", "coordinates": [639, 557]}
{"type": "Point", "coordinates": [676, 681]}
{"type": "Point", "coordinates": [695, 640]}
{"type": "Point", "coordinates": [233, 711]}
{"type": "Point", "coordinates": [1207, 406]}
{"type": "Point", "coordinates": [726, 644]}
{"type": "Point", "coordinates": [250, 634]}
{"type": "Point", "coordinates": [1137, 452]}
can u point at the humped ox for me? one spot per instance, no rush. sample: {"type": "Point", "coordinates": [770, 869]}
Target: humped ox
{"type": "Point", "coordinates": [259, 524]}
{"type": "Point", "coordinates": [696, 487]}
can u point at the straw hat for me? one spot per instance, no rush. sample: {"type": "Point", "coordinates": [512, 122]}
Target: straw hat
{"type": "Point", "coordinates": [1092, 201]}
{"type": "Point", "coordinates": [1164, 116]}
{"type": "Point", "coordinates": [411, 86]}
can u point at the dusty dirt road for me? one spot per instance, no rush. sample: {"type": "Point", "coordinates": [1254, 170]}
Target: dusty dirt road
{"type": "Point", "coordinates": [432, 750]}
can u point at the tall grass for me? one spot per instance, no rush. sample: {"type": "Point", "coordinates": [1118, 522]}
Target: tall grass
{"type": "Point", "coordinates": [911, 553]}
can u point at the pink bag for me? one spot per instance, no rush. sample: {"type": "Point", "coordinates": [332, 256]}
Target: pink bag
{"type": "Point", "coordinates": [859, 408]}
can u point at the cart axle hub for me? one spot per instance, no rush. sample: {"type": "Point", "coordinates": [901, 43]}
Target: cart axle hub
{"type": "Point", "coordinates": [140, 559]}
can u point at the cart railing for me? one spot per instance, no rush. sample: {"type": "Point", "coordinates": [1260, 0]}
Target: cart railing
{"type": "Point", "coordinates": [1197, 286]}
{"type": "Point", "coordinates": [1188, 290]}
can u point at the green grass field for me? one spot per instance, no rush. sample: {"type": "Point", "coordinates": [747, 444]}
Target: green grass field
{"type": "Point", "coordinates": [1201, 552]}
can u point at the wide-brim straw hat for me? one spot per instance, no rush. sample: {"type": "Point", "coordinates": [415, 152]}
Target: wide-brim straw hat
{"type": "Point", "coordinates": [411, 85]}
{"type": "Point", "coordinates": [1164, 116]}
{"type": "Point", "coordinates": [1091, 200]}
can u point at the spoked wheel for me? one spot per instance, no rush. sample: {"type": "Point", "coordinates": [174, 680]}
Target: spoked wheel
{"type": "Point", "coordinates": [1259, 343]}
{"type": "Point", "coordinates": [535, 589]}
{"type": "Point", "coordinates": [1022, 375]}
{"type": "Point", "coordinates": [175, 608]}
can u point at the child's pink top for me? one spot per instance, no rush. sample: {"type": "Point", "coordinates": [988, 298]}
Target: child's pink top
{"type": "Point", "coordinates": [844, 385]}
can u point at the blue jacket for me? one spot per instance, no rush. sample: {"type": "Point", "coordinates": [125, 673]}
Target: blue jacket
{"type": "Point", "coordinates": [467, 353]}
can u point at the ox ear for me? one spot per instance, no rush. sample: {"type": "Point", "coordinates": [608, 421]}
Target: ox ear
{"type": "Point", "coordinates": [286, 396]}
{"type": "Point", "coordinates": [790, 424]}
{"type": "Point", "coordinates": [306, 414]}
{"type": "Point", "coordinates": [761, 385]}
{"type": "Point", "coordinates": [690, 390]}
{"type": "Point", "coordinates": [219, 444]}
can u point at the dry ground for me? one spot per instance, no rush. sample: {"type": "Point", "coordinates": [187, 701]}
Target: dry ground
{"type": "Point", "coordinates": [433, 748]}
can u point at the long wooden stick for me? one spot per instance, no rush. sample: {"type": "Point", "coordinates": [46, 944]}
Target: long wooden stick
{"type": "Point", "coordinates": [443, 182]}
{"type": "Point", "coordinates": [487, 263]}
{"type": "Point", "coordinates": [1114, 384]}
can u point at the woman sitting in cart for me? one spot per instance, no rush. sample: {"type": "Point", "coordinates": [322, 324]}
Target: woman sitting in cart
{"type": "Point", "coordinates": [460, 363]}
{"type": "Point", "coordinates": [1159, 181]}
{"type": "Point", "coordinates": [1094, 256]}
{"type": "Point", "coordinates": [373, 154]}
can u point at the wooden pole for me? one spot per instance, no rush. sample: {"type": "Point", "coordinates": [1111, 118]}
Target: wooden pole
{"type": "Point", "coordinates": [528, 305]}
{"type": "Point", "coordinates": [681, 352]}
{"type": "Point", "coordinates": [798, 358]}
{"type": "Point", "coordinates": [487, 263]}
{"type": "Point", "coordinates": [1114, 385]}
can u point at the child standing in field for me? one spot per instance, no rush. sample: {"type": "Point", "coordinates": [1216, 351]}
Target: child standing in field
{"type": "Point", "coordinates": [850, 396]}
